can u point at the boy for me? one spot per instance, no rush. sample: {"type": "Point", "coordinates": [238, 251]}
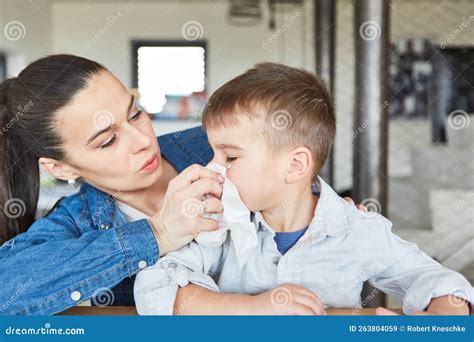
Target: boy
{"type": "Point", "coordinates": [272, 127]}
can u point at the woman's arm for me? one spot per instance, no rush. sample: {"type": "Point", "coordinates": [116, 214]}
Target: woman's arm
{"type": "Point", "coordinates": [55, 265]}
{"type": "Point", "coordinates": [61, 260]}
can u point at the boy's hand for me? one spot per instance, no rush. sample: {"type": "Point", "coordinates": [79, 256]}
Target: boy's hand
{"type": "Point", "coordinates": [444, 305]}
{"type": "Point", "coordinates": [287, 299]}
{"type": "Point", "coordinates": [381, 311]}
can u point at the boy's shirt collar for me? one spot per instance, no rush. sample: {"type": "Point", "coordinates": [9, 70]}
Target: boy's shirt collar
{"type": "Point", "coordinates": [330, 218]}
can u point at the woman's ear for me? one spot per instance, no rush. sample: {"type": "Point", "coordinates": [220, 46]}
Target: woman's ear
{"type": "Point", "coordinates": [301, 164]}
{"type": "Point", "coordinates": [59, 170]}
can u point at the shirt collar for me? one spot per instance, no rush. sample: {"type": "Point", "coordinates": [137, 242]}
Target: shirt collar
{"type": "Point", "coordinates": [102, 207]}
{"type": "Point", "coordinates": [330, 215]}
{"type": "Point", "coordinates": [260, 222]}
{"type": "Point", "coordinates": [329, 218]}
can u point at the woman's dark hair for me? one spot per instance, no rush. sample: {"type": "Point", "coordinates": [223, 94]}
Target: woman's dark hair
{"type": "Point", "coordinates": [28, 104]}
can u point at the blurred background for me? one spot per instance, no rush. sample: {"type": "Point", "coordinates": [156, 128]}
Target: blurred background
{"type": "Point", "coordinates": [404, 145]}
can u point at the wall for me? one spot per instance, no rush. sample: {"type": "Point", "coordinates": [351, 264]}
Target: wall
{"type": "Point", "coordinates": [101, 30]}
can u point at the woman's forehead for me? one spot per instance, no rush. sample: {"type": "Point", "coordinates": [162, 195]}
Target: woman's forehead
{"type": "Point", "coordinates": [103, 94]}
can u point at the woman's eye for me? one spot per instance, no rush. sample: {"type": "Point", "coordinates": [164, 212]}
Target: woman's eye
{"type": "Point", "coordinates": [231, 159]}
{"type": "Point", "coordinates": [108, 142]}
{"type": "Point", "coordinates": [136, 115]}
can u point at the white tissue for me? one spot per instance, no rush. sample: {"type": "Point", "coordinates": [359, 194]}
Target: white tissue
{"type": "Point", "coordinates": [236, 218]}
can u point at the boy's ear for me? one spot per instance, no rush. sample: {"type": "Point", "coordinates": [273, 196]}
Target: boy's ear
{"type": "Point", "coordinates": [59, 170]}
{"type": "Point", "coordinates": [301, 164]}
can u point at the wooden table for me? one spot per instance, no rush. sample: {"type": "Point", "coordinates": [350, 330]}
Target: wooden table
{"type": "Point", "coordinates": [130, 311]}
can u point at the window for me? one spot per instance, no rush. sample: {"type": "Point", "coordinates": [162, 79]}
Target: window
{"type": "Point", "coordinates": [170, 77]}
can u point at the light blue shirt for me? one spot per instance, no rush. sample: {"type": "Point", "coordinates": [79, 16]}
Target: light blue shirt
{"type": "Point", "coordinates": [342, 248]}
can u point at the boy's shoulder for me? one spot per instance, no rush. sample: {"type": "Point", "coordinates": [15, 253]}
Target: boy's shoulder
{"type": "Point", "coordinates": [366, 222]}
{"type": "Point", "coordinates": [341, 216]}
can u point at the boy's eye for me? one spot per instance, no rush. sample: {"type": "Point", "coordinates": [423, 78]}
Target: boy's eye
{"type": "Point", "coordinates": [135, 116]}
{"type": "Point", "coordinates": [109, 142]}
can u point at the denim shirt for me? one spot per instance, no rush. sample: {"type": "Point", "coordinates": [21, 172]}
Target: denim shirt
{"type": "Point", "coordinates": [86, 248]}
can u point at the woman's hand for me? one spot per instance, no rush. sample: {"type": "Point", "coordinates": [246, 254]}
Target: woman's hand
{"type": "Point", "coordinates": [287, 299]}
{"type": "Point", "coordinates": [179, 220]}
{"type": "Point", "coordinates": [361, 207]}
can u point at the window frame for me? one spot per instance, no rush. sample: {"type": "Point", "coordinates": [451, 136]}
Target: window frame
{"type": "Point", "coordinates": [136, 44]}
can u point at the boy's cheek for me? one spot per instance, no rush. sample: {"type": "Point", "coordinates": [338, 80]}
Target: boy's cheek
{"type": "Point", "coordinates": [250, 195]}
{"type": "Point", "coordinates": [242, 187]}
{"type": "Point", "coordinates": [248, 184]}
{"type": "Point", "coordinates": [237, 176]}
{"type": "Point", "coordinates": [238, 181]}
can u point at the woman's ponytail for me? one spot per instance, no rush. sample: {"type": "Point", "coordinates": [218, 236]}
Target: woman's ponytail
{"type": "Point", "coordinates": [19, 173]}
{"type": "Point", "coordinates": [29, 104]}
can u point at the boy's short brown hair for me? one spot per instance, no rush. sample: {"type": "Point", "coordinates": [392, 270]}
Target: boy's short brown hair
{"type": "Point", "coordinates": [297, 107]}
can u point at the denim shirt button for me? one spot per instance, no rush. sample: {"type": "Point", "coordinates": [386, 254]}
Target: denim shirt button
{"type": "Point", "coordinates": [75, 296]}
{"type": "Point", "coordinates": [104, 226]}
{"type": "Point", "coordinates": [142, 264]}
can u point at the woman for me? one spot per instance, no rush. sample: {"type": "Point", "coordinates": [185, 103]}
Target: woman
{"type": "Point", "coordinates": [74, 119]}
